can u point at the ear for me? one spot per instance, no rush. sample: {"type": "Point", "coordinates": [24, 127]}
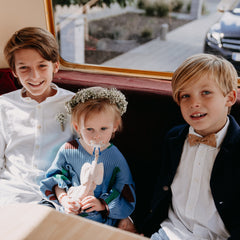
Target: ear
{"type": "Point", "coordinates": [56, 67]}
{"type": "Point", "coordinates": [14, 74]}
{"type": "Point", "coordinates": [115, 127]}
{"type": "Point", "coordinates": [75, 125]}
{"type": "Point", "coordinates": [231, 98]}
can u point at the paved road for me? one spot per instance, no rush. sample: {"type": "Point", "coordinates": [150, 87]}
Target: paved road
{"type": "Point", "coordinates": [160, 55]}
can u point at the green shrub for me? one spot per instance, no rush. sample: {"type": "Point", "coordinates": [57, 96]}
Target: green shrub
{"type": "Point", "coordinates": [177, 6]}
{"type": "Point", "coordinates": [146, 33]}
{"type": "Point", "coordinates": [141, 4]}
{"type": "Point", "coordinates": [162, 9]}
{"type": "Point", "coordinates": [204, 9]}
{"type": "Point", "coordinates": [188, 8]}
{"type": "Point", "coordinates": [150, 10]}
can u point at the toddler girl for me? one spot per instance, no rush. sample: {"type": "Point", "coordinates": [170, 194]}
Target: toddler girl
{"type": "Point", "coordinates": [90, 177]}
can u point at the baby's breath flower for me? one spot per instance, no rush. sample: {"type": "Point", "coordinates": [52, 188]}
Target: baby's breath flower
{"type": "Point", "coordinates": [114, 96]}
{"type": "Point", "coordinates": [60, 118]}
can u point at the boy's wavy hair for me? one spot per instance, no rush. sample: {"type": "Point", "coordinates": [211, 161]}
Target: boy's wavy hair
{"type": "Point", "coordinates": [200, 65]}
{"type": "Point", "coordinates": [32, 38]}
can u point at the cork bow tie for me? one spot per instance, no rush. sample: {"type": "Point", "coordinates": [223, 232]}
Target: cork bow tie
{"type": "Point", "coordinates": [208, 140]}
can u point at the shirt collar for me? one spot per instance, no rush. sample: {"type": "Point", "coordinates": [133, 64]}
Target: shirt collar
{"type": "Point", "coordinates": [30, 100]}
{"type": "Point", "coordinates": [219, 135]}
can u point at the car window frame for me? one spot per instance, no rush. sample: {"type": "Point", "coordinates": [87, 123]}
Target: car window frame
{"type": "Point", "coordinates": [100, 69]}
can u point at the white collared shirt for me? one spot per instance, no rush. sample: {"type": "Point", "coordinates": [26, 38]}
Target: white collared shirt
{"type": "Point", "coordinates": [30, 137]}
{"type": "Point", "coordinates": [193, 215]}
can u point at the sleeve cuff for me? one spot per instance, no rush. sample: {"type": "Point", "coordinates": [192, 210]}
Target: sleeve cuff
{"type": "Point", "coordinates": [105, 212]}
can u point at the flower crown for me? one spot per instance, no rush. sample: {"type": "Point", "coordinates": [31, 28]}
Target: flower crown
{"type": "Point", "coordinates": [114, 96]}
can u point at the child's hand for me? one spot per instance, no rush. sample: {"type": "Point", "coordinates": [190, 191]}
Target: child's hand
{"type": "Point", "coordinates": [70, 206]}
{"type": "Point", "coordinates": [127, 225]}
{"type": "Point", "coordinates": [91, 203]}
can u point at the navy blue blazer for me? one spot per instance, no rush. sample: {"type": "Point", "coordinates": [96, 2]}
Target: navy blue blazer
{"type": "Point", "coordinates": [224, 182]}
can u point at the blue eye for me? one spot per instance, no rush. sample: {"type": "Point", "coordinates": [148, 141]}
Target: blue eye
{"type": "Point", "coordinates": [103, 128]}
{"type": "Point", "coordinates": [89, 129]}
{"type": "Point", "coordinates": [185, 96]}
{"type": "Point", "coordinates": [206, 92]}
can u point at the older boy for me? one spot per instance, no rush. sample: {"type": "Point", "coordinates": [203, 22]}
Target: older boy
{"type": "Point", "coordinates": [30, 135]}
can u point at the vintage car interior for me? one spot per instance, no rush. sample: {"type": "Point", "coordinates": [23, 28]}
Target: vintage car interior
{"type": "Point", "coordinates": [151, 109]}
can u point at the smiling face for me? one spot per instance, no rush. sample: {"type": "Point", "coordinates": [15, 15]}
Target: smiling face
{"type": "Point", "coordinates": [204, 106]}
{"type": "Point", "coordinates": [35, 73]}
{"type": "Point", "coordinates": [96, 130]}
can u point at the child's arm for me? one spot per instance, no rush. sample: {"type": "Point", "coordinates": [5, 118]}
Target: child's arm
{"type": "Point", "coordinates": [57, 175]}
{"type": "Point", "coordinates": [2, 148]}
{"type": "Point", "coordinates": [70, 206]}
{"type": "Point", "coordinates": [120, 197]}
{"type": "Point", "coordinates": [2, 152]}
{"type": "Point", "coordinates": [120, 204]}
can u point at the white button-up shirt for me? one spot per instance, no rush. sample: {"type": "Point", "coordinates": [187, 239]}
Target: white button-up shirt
{"type": "Point", "coordinates": [193, 215]}
{"type": "Point", "coordinates": [30, 137]}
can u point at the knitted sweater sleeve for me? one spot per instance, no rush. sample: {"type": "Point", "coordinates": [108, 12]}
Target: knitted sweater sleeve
{"type": "Point", "coordinates": [58, 174]}
{"type": "Point", "coordinates": [2, 140]}
{"type": "Point", "coordinates": [120, 197]}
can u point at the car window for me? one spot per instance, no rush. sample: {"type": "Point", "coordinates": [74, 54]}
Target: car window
{"type": "Point", "coordinates": [132, 35]}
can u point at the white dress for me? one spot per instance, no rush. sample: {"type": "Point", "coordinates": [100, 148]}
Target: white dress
{"type": "Point", "coordinates": [30, 137]}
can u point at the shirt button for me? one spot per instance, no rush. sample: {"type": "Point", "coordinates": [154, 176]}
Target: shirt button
{"type": "Point", "coordinates": [39, 126]}
{"type": "Point", "coordinates": [165, 188]}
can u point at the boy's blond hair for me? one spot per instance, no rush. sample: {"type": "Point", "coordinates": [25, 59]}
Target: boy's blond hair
{"type": "Point", "coordinates": [199, 65]}
{"type": "Point", "coordinates": [32, 38]}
